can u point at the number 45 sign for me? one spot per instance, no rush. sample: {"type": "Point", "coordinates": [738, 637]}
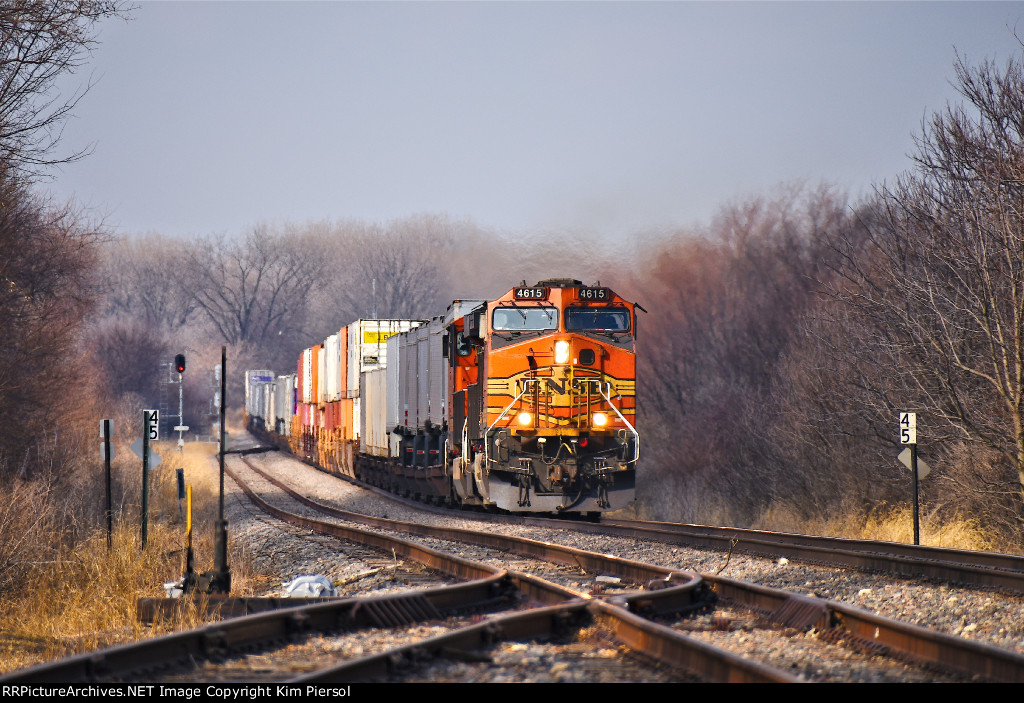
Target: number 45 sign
{"type": "Point", "coordinates": [908, 428]}
{"type": "Point", "coordinates": [153, 424]}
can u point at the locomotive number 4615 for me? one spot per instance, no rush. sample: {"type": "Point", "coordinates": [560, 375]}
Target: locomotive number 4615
{"type": "Point", "coordinates": [531, 293]}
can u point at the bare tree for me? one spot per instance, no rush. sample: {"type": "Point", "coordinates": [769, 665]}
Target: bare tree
{"type": "Point", "coordinates": [128, 354]}
{"type": "Point", "coordinates": [40, 41]}
{"type": "Point", "coordinates": [723, 313]}
{"type": "Point", "coordinates": [941, 273]}
{"type": "Point", "coordinates": [394, 270]}
{"type": "Point", "coordinates": [47, 261]}
{"type": "Point", "coordinates": [829, 417]}
{"type": "Point", "coordinates": [255, 288]}
{"type": "Point", "coordinates": [147, 282]}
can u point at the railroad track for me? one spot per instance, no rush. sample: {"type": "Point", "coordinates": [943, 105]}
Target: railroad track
{"type": "Point", "coordinates": [986, 569]}
{"type": "Point", "coordinates": [974, 568]}
{"type": "Point", "coordinates": [862, 627]}
{"type": "Point", "coordinates": [167, 655]}
{"type": "Point", "coordinates": [449, 643]}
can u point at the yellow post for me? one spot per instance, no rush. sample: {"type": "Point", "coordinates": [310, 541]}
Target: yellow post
{"type": "Point", "coordinates": [188, 519]}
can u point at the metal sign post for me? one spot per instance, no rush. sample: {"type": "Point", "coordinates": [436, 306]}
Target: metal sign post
{"type": "Point", "coordinates": [150, 431]}
{"type": "Point", "coordinates": [106, 433]}
{"type": "Point", "coordinates": [222, 577]}
{"type": "Point", "coordinates": [908, 435]}
{"type": "Point", "coordinates": [219, 579]}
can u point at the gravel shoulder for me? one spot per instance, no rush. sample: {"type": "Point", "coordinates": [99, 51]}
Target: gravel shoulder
{"type": "Point", "coordinates": [977, 614]}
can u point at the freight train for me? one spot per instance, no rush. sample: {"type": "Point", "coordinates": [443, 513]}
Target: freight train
{"type": "Point", "coordinates": [526, 403]}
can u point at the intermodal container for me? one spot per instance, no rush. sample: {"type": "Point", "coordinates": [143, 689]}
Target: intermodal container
{"type": "Point", "coordinates": [373, 429]}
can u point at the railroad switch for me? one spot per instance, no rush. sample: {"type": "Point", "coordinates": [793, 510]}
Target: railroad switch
{"type": "Point", "coordinates": [216, 581]}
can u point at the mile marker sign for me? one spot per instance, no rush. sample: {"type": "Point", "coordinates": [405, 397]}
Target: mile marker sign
{"type": "Point", "coordinates": [908, 428]}
{"type": "Point", "coordinates": [153, 430]}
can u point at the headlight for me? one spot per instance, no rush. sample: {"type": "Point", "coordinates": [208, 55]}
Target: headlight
{"type": "Point", "coordinates": [600, 419]}
{"type": "Point", "coordinates": [525, 418]}
{"type": "Point", "coordinates": [562, 352]}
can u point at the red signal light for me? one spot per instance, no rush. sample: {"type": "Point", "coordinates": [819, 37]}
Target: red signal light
{"type": "Point", "coordinates": [179, 363]}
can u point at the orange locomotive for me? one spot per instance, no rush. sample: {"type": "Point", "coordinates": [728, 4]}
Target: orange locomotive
{"type": "Point", "coordinates": [526, 403]}
{"type": "Point", "coordinates": [552, 368]}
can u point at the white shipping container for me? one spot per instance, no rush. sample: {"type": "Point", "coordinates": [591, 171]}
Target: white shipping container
{"type": "Point", "coordinates": [393, 373]}
{"type": "Point", "coordinates": [321, 374]}
{"type": "Point", "coordinates": [422, 374]}
{"type": "Point", "coordinates": [431, 376]}
{"type": "Point", "coordinates": [255, 383]}
{"type": "Point", "coordinates": [267, 412]}
{"type": "Point", "coordinates": [410, 388]}
{"type": "Point", "coordinates": [367, 347]}
{"type": "Point", "coordinates": [461, 308]}
{"type": "Point", "coordinates": [437, 402]}
{"type": "Point", "coordinates": [283, 402]}
{"type": "Point", "coordinates": [331, 385]}
{"type": "Point", "coordinates": [373, 430]}
{"type": "Point", "coordinates": [258, 396]}
{"type": "Point", "coordinates": [307, 376]}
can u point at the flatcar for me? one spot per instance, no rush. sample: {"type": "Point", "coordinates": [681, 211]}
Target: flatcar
{"type": "Point", "coordinates": [525, 403]}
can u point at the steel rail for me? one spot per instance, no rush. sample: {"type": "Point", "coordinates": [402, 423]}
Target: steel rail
{"type": "Point", "coordinates": [656, 641]}
{"type": "Point", "coordinates": [536, 588]}
{"type": "Point", "coordinates": [452, 565]}
{"type": "Point", "coordinates": [245, 633]}
{"type": "Point", "coordinates": [149, 657]}
{"type": "Point", "coordinates": [995, 560]}
{"type": "Point", "coordinates": [662, 643]}
{"type": "Point", "coordinates": [669, 590]}
{"type": "Point", "coordinates": [986, 569]}
{"type": "Point", "coordinates": [676, 649]}
{"type": "Point", "coordinates": [919, 643]}
{"type": "Point", "coordinates": [634, 571]}
{"type": "Point", "coordinates": [792, 609]}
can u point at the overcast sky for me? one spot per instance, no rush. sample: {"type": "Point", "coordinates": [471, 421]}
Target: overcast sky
{"type": "Point", "coordinates": [605, 117]}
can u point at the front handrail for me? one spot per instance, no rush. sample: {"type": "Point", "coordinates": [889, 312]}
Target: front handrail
{"type": "Point", "coordinates": [487, 434]}
{"type": "Point", "coordinates": [587, 384]}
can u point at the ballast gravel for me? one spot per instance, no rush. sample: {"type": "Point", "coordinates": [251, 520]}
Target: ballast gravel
{"type": "Point", "coordinates": [988, 616]}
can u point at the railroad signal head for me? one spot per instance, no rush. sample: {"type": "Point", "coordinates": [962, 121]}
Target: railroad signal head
{"type": "Point", "coordinates": [179, 363]}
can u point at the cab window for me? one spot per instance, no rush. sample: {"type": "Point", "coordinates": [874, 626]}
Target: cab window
{"type": "Point", "coordinates": [604, 319]}
{"type": "Point", "coordinates": [510, 319]}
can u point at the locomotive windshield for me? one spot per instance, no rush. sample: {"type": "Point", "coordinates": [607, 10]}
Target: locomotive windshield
{"type": "Point", "coordinates": [524, 318]}
{"type": "Point", "coordinates": [602, 319]}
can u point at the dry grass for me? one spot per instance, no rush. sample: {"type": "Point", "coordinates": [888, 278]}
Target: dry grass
{"type": "Point", "coordinates": [81, 595]}
{"type": "Point", "coordinates": [892, 523]}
